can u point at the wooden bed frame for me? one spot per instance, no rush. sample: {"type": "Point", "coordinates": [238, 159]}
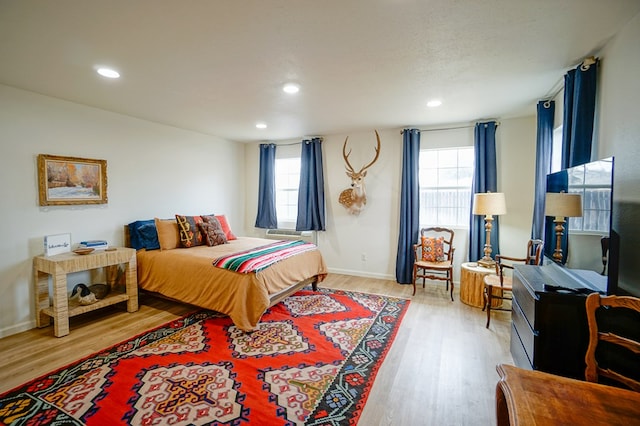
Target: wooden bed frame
{"type": "Point", "coordinates": [274, 298]}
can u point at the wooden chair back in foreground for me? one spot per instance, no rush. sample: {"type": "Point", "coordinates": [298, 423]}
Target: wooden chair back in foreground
{"type": "Point", "coordinates": [604, 244]}
{"type": "Point", "coordinates": [499, 286]}
{"type": "Point", "coordinates": [434, 256]}
{"type": "Point", "coordinates": [533, 397]}
{"type": "Point", "coordinates": [614, 340]}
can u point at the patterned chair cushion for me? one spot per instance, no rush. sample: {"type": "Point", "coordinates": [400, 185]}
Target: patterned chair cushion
{"type": "Point", "coordinates": [433, 249]}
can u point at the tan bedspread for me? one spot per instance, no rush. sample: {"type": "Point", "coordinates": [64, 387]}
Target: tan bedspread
{"type": "Point", "coordinates": [188, 275]}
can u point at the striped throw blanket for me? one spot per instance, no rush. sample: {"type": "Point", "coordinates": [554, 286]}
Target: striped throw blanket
{"type": "Point", "coordinates": [259, 258]}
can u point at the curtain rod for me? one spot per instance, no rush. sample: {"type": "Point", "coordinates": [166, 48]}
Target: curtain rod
{"type": "Point", "coordinates": [585, 64]}
{"type": "Point", "coordinates": [294, 143]}
{"type": "Point", "coordinates": [552, 94]}
{"type": "Point", "coordinates": [438, 129]}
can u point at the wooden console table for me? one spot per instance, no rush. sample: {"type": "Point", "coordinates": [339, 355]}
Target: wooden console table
{"type": "Point", "coordinates": [526, 397]}
{"type": "Point", "coordinates": [60, 265]}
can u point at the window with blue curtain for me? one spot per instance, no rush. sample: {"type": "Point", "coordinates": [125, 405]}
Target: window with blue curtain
{"type": "Point", "coordinates": [266, 216]}
{"type": "Point", "coordinates": [485, 179]}
{"type": "Point", "coordinates": [311, 205]}
{"type": "Point", "coordinates": [409, 206]}
{"type": "Point", "coordinates": [546, 110]}
{"type": "Point", "coordinates": [580, 86]}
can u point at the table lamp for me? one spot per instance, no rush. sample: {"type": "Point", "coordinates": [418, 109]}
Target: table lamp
{"type": "Point", "coordinates": [488, 204]}
{"type": "Point", "coordinates": [561, 205]}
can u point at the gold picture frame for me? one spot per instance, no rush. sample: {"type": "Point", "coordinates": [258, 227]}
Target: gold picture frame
{"type": "Point", "coordinates": [71, 180]}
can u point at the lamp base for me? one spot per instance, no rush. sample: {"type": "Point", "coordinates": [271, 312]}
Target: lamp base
{"type": "Point", "coordinates": [487, 263]}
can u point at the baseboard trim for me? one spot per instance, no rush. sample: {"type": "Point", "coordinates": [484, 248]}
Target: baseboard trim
{"type": "Point", "coordinates": [17, 328]}
{"type": "Point", "coordinates": [362, 274]}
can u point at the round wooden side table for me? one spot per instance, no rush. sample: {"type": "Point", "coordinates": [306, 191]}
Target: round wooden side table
{"type": "Point", "coordinates": [472, 285]}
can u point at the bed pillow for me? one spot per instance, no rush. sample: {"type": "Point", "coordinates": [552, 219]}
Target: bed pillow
{"type": "Point", "coordinates": [209, 218]}
{"type": "Point", "coordinates": [189, 231]}
{"type": "Point", "coordinates": [225, 227]}
{"type": "Point", "coordinates": [143, 235]}
{"type": "Point", "coordinates": [167, 233]}
{"type": "Point", "coordinates": [213, 233]}
{"type": "Point", "coordinates": [433, 249]}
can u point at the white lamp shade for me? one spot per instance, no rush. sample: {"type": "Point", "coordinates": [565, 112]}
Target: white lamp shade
{"type": "Point", "coordinates": [489, 203]}
{"type": "Point", "coordinates": [563, 204]}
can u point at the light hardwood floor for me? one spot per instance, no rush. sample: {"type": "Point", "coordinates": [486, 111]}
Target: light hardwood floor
{"type": "Point", "coordinates": [439, 371]}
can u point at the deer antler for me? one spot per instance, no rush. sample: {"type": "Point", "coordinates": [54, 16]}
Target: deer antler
{"type": "Point", "coordinates": [376, 157]}
{"type": "Point", "coordinates": [346, 156]}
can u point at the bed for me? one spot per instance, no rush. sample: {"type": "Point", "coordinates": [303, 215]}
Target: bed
{"type": "Point", "coordinates": [188, 275]}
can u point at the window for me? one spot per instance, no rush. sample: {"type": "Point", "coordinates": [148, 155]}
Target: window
{"type": "Point", "coordinates": [445, 186]}
{"type": "Point", "coordinates": [556, 150]}
{"type": "Point", "coordinates": [593, 182]}
{"type": "Point", "coordinates": [287, 182]}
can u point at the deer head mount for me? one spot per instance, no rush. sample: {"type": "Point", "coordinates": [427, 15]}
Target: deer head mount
{"type": "Point", "coordinates": [355, 198]}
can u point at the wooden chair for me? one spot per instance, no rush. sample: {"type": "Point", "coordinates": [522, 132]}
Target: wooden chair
{"type": "Point", "coordinates": [614, 340]}
{"type": "Point", "coordinates": [604, 244]}
{"type": "Point", "coordinates": [499, 286]}
{"type": "Point", "coordinates": [434, 256]}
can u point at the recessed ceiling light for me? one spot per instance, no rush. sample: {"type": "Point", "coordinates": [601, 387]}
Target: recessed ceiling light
{"type": "Point", "coordinates": [291, 88]}
{"type": "Point", "coordinates": [108, 72]}
{"type": "Point", "coordinates": [434, 103]}
{"type": "Point", "coordinates": [261, 126]}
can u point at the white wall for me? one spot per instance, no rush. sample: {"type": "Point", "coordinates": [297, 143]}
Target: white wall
{"type": "Point", "coordinates": [153, 170]}
{"type": "Point", "coordinates": [516, 169]}
{"type": "Point", "coordinates": [618, 130]}
{"type": "Point", "coordinates": [617, 134]}
{"type": "Point", "coordinates": [348, 237]}
{"type": "Point", "coordinates": [374, 232]}
{"type": "Point", "coordinates": [157, 170]}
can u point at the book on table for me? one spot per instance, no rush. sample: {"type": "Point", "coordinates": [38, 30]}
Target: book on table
{"type": "Point", "coordinates": [95, 244]}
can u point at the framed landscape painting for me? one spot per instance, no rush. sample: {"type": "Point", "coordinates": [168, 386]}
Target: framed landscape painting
{"type": "Point", "coordinates": [70, 180]}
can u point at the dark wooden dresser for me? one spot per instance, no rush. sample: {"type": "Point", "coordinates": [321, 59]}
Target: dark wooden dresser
{"type": "Point", "coordinates": [549, 330]}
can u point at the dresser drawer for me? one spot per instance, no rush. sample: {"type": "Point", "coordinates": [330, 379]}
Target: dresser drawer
{"type": "Point", "coordinates": [549, 330]}
{"type": "Point", "coordinates": [526, 334]}
{"type": "Point", "coordinates": [525, 300]}
{"type": "Point", "coordinates": [520, 357]}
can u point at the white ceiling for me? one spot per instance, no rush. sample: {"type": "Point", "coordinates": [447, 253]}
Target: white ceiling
{"type": "Point", "coordinates": [217, 66]}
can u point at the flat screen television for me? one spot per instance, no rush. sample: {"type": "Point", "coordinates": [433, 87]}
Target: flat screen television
{"type": "Point", "coordinates": [587, 239]}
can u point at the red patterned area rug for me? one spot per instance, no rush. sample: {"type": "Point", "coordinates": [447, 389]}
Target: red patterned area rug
{"type": "Point", "coordinates": [312, 361]}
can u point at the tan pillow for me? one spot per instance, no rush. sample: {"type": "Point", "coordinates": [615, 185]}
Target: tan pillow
{"type": "Point", "coordinates": [167, 233]}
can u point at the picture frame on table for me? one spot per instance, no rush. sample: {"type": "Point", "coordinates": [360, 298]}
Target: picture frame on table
{"type": "Point", "coordinates": [57, 244]}
{"type": "Point", "coordinates": [71, 180]}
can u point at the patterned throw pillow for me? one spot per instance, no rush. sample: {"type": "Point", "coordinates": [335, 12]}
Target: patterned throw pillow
{"type": "Point", "coordinates": [213, 233]}
{"type": "Point", "coordinates": [222, 219]}
{"type": "Point", "coordinates": [210, 218]}
{"type": "Point", "coordinates": [190, 235]}
{"type": "Point", "coordinates": [433, 249]}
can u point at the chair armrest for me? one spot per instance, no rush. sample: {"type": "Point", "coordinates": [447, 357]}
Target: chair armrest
{"type": "Point", "coordinates": [512, 259]}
